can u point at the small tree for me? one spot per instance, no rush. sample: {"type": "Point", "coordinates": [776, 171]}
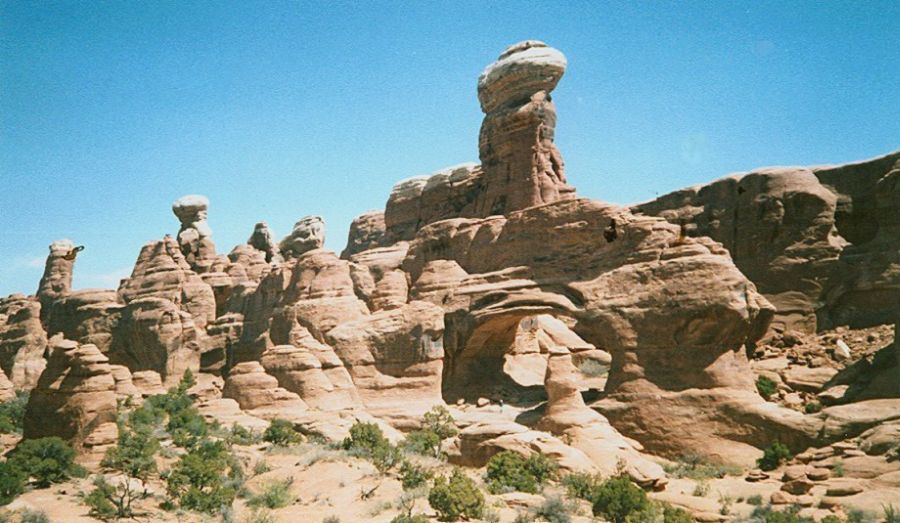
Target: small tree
{"type": "Point", "coordinates": [456, 498]}
{"type": "Point", "coordinates": [439, 421]}
{"type": "Point", "coordinates": [12, 482]}
{"type": "Point", "coordinates": [617, 498]}
{"type": "Point", "coordinates": [198, 480]}
{"type": "Point", "coordinates": [773, 456]}
{"type": "Point", "coordinates": [46, 460]}
{"type": "Point", "coordinates": [12, 413]}
{"type": "Point", "coordinates": [413, 476]}
{"type": "Point", "coordinates": [133, 455]}
{"type": "Point", "coordinates": [368, 440]}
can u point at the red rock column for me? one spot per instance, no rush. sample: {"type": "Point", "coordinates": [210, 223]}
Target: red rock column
{"type": "Point", "coordinates": [522, 166]}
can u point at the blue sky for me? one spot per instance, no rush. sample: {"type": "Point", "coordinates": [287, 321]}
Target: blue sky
{"type": "Point", "coordinates": [109, 111]}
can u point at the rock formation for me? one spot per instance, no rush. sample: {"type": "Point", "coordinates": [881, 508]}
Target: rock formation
{"type": "Point", "coordinates": [78, 393]}
{"type": "Point", "coordinates": [587, 331]}
{"type": "Point", "coordinates": [308, 234]}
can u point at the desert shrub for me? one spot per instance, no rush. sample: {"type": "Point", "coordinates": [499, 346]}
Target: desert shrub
{"type": "Point", "coordinates": [275, 494]}
{"type": "Point", "coordinates": [676, 515]}
{"type": "Point", "coordinates": [701, 489]}
{"type": "Point", "coordinates": [695, 467]}
{"type": "Point", "coordinates": [133, 455]}
{"type": "Point", "coordinates": [773, 456]}
{"type": "Point", "coordinates": [838, 469]}
{"type": "Point", "coordinates": [766, 387]}
{"type": "Point", "coordinates": [12, 413]}
{"type": "Point", "coordinates": [240, 435]}
{"type": "Point", "coordinates": [510, 470]}
{"type": "Point", "coordinates": [616, 498]}
{"type": "Point", "coordinates": [812, 407]}
{"type": "Point", "coordinates": [554, 510]}
{"type": "Point", "coordinates": [102, 500]}
{"type": "Point", "coordinates": [34, 516]}
{"type": "Point", "coordinates": [259, 515]}
{"type": "Point", "coordinates": [831, 518]}
{"type": "Point", "coordinates": [890, 514]}
{"type": "Point", "coordinates": [12, 482]}
{"type": "Point", "coordinates": [456, 497]}
{"type": "Point", "coordinates": [580, 485]}
{"type": "Point", "coordinates": [261, 467]}
{"type": "Point", "coordinates": [199, 480]}
{"type": "Point", "coordinates": [45, 460]}
{"type": "Point", "coordinates": [789, 515]}
{"type": "Point", "coordinates": [423, 442]}
{"type": "Point", "coordinates": [406, 518]}
{"type": "Point", "coordinates": [281, 432]}
{"type": "Point", "coordinates": [755, 500]}
{"type": "Point", "coordinates": [332, 519]}
{"type": "Point", "coordinates": [413, 476]}
{"type": "Point", "coordinates": [367, 440]}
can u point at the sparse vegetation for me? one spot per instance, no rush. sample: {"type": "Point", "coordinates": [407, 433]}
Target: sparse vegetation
{"type": "Point", "coordinates": [766, 387]}
{"type": "Point", "coordinates": [422, 442]}
{"type": "Point", "coordinates": [812, 407]}
{"type": "Point", "coordinates": [276, 494]}
{"type": "Point", "coordinates": [509, 470]}
{"type": "Point", "coordinates": [457, 497]}
{"type": "Point", "coordinates": [774, 456]}
{"type": "Point", "coordinates": [755, 500]}
{"type": "Point", "coordinates": [694, 467]}
{"type": "Point", "coordinates": [890, 514]}
{"type": "Point", "coordinates": [617, 498]}
{"type": "Point", "coordinates": [12, 413]}
{"type": "Point", "coordinates": [281, 432]}
{"type": "Point", "coordinates": [332, 519]}
{"type": "Point", "coordinates": [240, 435]}
{"type": "Point", "coordinates": [406, 518]}
{"type": "Point", "coordinates": [45, 461]}
{"type": "Point", "coordinates": [34, 516]}
{"type": "Point", "coordinates": [838, 469]}
{"type": "Point", "coordinates": [554, 510]}
{"type": "Point", "coordinates": [701, 489]}
{"type": "Point", "coordinates": [766, 514]}
{"type": "Point", "coordinates": [580, 485]}
{"type": "Point", "coordinates": [258, 515]}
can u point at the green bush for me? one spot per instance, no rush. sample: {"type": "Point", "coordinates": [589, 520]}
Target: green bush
{"type": "Point", "coordinates": [12, 482]}
{"type": "Point", "coordinates": [367, 440]}
{"type": "Point", "coordinates": [676, 515]}
{"type": "Point", "coordinates": [12, 413]}
{"type": "Point", "coordinates": [413, 476]}
{"type": "Point", "coordinates": [34, 516]}
{"type": "Point", "coordinates": [812, 407]}
{"type": "Point", "coordinates": [554, 510]}
{"type": "Point", "coordinates": [890, 514]}
{"type": "Point", "coordinates": [281, 432]}
{"type": "Point", "coordinates": [766, 387]}
{"type": "Point", "coordinates": [617, 498]}
{"type": "Point", "coordinates": [259, 515]}
{"type": "Point", "coordinates": [456, 497]}
{"type": "Point", "coordinates": [790, 515]}
{"type": "Point", "coordinates": [831, 518]}
{"type": "Point", "coordinates": [45, 460]}
{"type": "Point", "coordinates": [755, 500]}
{"type": "Point", "coordinates": [773, 456]}
{"type": "Point", "coordinates": [423, 442]}
{"type": "Point", "coordinates": [695, 467]}
{"type": "Point", "coordinates": [199, 481]}
{"type": "Point", "coordinates": [509, 470]}
{"type": "Point", "coordinates": [276, 494]}
{"type": "Point", "coordinates": [240, 435]}
{"type": "Point", "coordinates": [580, 485]}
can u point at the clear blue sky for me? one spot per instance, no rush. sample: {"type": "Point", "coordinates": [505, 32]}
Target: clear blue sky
{"type": "Point", "coordinates": [109, 111]}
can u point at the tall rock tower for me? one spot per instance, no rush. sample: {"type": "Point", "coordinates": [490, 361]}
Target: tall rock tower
{"type": "Point", "coordinates": [522, 166]}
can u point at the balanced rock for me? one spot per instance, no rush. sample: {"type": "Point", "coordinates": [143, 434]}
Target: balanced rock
{"type": "Point", "coordinates": [263, 240]}
{"type": "Point", "coordinates": [522, 166]}
{"type": "Point", "coordinates": [78, 392]}
{"type": "Point", "coordinates": [195, 235]}
{"type": "Point", "coordinates": [57, 278]}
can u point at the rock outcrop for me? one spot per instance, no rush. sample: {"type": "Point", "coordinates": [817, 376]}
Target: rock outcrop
{"type": "Point", "coordinates": [819, 242]}
{"type": "Point", "coordinates": [77, 392]}
{"type": "Point", "coordinates": [263, 240]}
{"type": "Point", "coordinates": [23, 340]}
{"type": "Point", "coordinates": [308, 234]}
{"type": "Point", "coordinates": [57, 278]}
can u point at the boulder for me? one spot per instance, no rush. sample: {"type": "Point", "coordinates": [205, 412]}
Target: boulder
{"type": "Point", "coordinates": [308, 234]}
{"type": "Point", "coordinates": [195, 235]}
